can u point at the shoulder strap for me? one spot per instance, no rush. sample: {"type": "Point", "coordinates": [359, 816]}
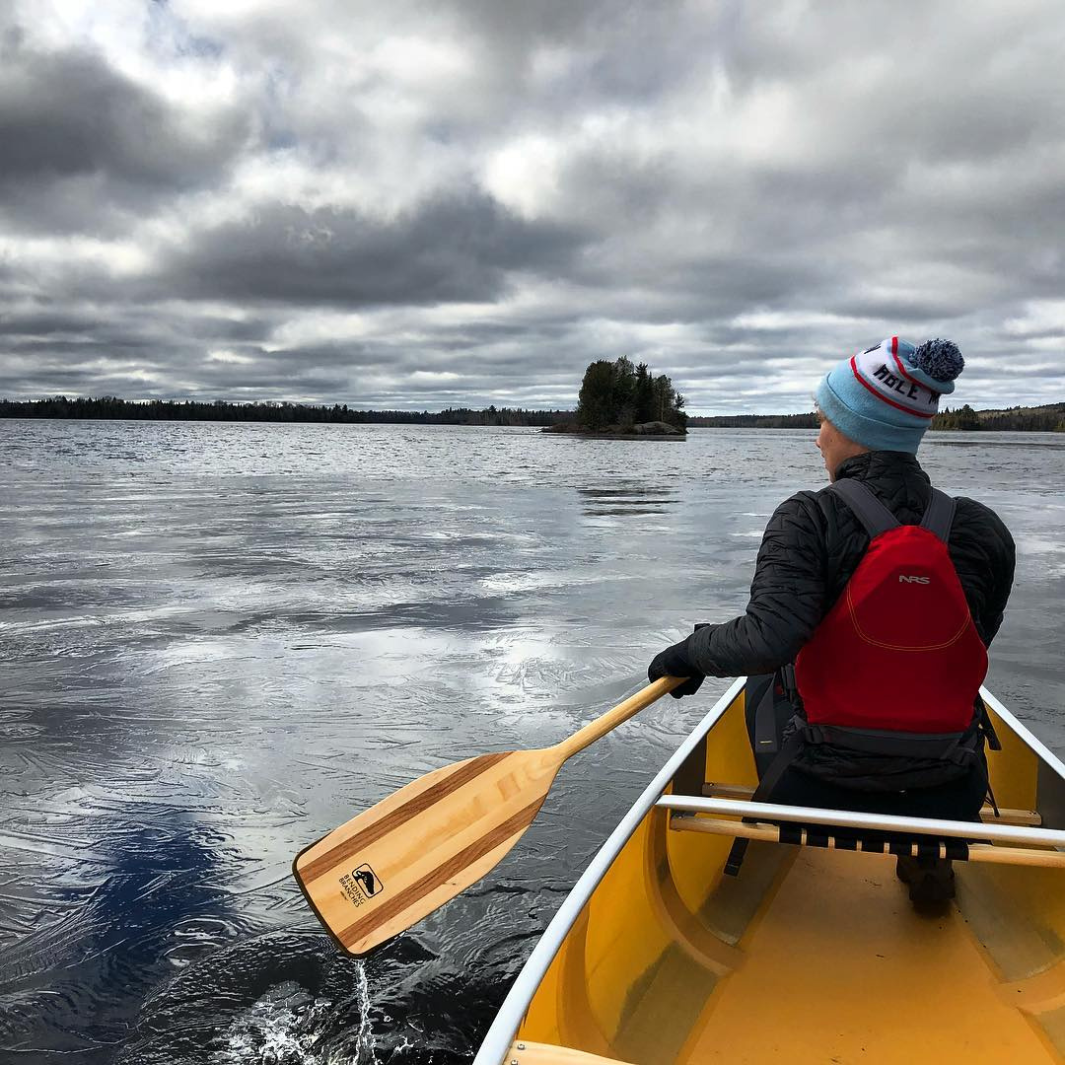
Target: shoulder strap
{"type": "Point", "coordinates": [939, 516]}
{"type": "Point", "coordinates": [866, 507]}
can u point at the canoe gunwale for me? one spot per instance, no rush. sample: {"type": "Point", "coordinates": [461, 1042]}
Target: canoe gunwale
{"type": "Point", "coordinates": [500, 1035]}
{"type": "Point", "coordinates": [1036, 746]}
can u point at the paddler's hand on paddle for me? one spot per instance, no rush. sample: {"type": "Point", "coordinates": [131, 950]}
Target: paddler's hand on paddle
{"type": "Point", "coordinates": [674, 662]}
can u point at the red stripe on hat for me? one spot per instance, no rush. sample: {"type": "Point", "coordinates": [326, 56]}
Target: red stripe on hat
{"type": "Point", "coordinates": [890, 402]}
{"type": "Point", "coordinates": [895, 346]}
{"type": "Point", "coordinates": [902, 370]}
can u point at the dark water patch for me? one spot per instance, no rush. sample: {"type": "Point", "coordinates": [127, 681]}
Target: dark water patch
{"type": "Point", "coordinates": [291, 998]}
{"type": "Point", "coordinates": [631, 501]}
{"type": "Point", "coordinates": [74, 986]}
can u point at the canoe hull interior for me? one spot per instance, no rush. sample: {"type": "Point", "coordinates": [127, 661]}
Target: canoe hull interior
{"type": "Point", "coordinates": [810, 955]}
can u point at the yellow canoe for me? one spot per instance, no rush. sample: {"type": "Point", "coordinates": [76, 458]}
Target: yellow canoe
{"type": "Point", "coordinates": [812, 954]}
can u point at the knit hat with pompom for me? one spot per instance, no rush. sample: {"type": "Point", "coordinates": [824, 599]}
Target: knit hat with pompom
{"type": "Point", "coordinates": [884, 397]}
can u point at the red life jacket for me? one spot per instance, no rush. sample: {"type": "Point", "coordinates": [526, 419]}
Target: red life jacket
{"type": "Point", "coordinates": [898, 652]}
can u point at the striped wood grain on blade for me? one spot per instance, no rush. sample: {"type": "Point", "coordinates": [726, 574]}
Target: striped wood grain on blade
{"type": "Point", "coordinates": [394, 864]}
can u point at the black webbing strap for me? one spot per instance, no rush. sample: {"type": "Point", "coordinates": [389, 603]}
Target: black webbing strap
{"type": "Point", "coordinates": [986, 727]}
{"type": "Point", "coordinates": [765, 722]}
{"type": "Point", "coordinates": [939, 516]}
{"type": "Point", "coordinates": [790, 685]}
{"type": "Point", "coordinates": [825, 836]}
{"type": "Point", "coordinates": [788, 751]}
{"type": "Point", "coordinates": [735, 856]}
{"type": "Point", "coordinates": [874, 516]}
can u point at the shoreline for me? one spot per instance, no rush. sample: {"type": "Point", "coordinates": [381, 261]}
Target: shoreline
{"type": "Point", "coordinates": [620, 436]}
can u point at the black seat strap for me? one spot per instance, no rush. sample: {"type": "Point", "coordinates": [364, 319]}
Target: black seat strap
{"type": "Point", "coordinates": [986, 726]}
{"type": "Point", "coordinates": [787, 754]}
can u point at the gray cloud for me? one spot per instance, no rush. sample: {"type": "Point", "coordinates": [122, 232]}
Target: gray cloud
{"type": "Point", "coordinates": [467, 202]}
{"type": "Point", "coordinates": [450, 249]}
{"type": "Point", "coordinates": [83, 141]}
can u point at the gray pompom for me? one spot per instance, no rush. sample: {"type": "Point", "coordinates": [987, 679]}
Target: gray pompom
{"type": "Point", "coordinates": [940, 359]}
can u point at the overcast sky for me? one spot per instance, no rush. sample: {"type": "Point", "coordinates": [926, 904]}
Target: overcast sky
{"type": "Point", "coordinates": [449, 202]}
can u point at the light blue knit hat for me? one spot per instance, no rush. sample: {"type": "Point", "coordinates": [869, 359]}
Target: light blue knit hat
{"type": "Point", "coordinates": [884, 397]}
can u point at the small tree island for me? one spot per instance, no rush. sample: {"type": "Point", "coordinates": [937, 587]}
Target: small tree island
{"type": "Point", "coordinates": [618, 399]}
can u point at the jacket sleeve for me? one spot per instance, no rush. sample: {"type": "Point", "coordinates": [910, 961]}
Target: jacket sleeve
{"type": "Point", "coordinates": [787, 598]}
{"type": "Point", "coordinates": [1003, 585]}
{"type": "Point", "coordinates": [985, 563]}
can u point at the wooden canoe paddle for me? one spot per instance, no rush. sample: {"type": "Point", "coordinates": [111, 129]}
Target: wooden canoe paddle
{"type": "Point", "coordinates": [389, 867]}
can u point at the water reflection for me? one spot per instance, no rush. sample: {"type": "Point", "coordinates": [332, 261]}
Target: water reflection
{"type": "Point", "coordinates": [114, 924]}
{"type": "Point", "coordinates": [221, 641]}
{"type": "Point", "coordinates": [1023, 441]}
{"type": "Point", "coordinates": [626, 500]}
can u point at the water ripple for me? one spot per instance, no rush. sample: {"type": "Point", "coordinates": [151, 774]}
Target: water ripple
{"type": "Point", "coordinates": [221, 641]}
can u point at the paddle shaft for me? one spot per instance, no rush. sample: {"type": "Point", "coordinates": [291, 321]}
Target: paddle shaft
{"type": "Point", "coordinates": [598, 728]}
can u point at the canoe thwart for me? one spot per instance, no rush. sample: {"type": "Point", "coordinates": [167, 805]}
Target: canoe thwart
{"type": "Point", "coordinates": [987, 813]}
{"type": "Point", "coordinates": [920, 847]}
{"type": "Point", "coordinates": [727, 791]}
{"type": "Point", "coordinates": [1016, 835]}
{"type": "Point", "coordinates": [522, 1053]}
{"type": "Point", "coordinates": [1010, 817]}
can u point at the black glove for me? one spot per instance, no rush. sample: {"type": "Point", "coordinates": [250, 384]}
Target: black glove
{"type": "Point", "coordinates": [674, 662]}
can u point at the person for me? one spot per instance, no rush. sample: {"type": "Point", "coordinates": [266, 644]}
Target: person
{"type": "Point", "coordinates": [887, 720]}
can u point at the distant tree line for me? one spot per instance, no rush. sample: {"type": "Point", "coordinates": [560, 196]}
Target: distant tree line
{"type": "Point", "coordinates": [619, 395]}
{"type": "Point", "coordinates": [221, 411]}
{"type": "Point", "coordinates": [611, 395]}
{"type": "Point", "coordinates": [1046, 419]}
{"type": "Point", "coordinates": [960, 418]}
{"type": "Point", "coordinates": [756, 421]}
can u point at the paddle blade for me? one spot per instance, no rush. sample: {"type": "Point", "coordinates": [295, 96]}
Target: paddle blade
{"type": "Point", "coordinates": [386, 869]}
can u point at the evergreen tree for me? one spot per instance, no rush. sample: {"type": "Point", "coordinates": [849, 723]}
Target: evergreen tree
{"type": "Point", "coordinates": [595, 403]}
{"type": "Point", "coordinates": [624, 393]}
{"type": "Point", "coordinates": [644, 396]}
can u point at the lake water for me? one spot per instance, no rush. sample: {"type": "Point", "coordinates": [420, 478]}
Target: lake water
{"type": "Point", "coordinates": [218, 642]}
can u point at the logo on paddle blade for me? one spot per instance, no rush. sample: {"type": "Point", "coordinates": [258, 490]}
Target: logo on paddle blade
{"type": "Point", "coordinates": [360, 884]}
{"type": "Point", "coordinates": [366, 878]}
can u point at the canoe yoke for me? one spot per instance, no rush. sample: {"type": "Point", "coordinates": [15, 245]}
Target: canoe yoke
{"type": "Point", "coordinates": [1015, 835]}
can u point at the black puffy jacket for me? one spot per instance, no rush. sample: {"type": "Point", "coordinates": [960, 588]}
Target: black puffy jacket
{"type": "Point", "coordinates": [812, 545]}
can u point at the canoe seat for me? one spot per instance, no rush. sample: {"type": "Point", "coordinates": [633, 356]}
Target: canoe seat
{"type": "Point", "coordinates": [1006, 844]}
